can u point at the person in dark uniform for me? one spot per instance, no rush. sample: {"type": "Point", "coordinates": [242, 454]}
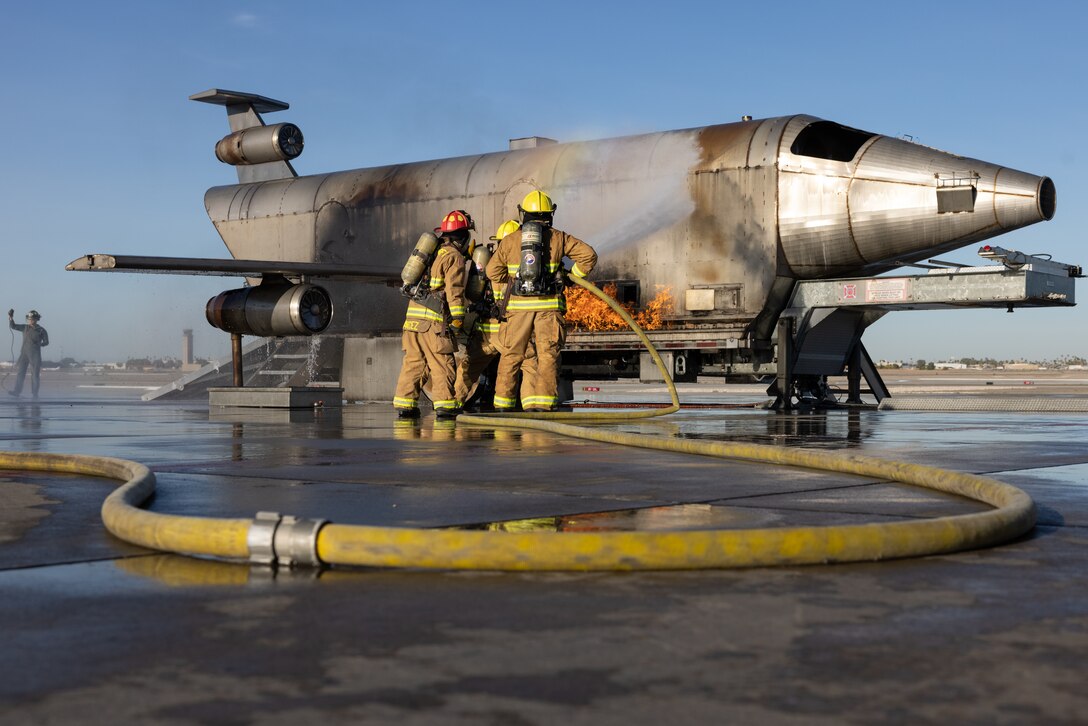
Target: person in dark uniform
{"type": "Point", "coordinates": [34, 339]}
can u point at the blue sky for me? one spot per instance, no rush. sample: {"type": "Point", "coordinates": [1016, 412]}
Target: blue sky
{"type": "Point", "coordinates": [107, 154]}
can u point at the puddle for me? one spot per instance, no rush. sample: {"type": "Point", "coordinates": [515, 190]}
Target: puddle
{"type": "Point", "coordinates": [671, 518]}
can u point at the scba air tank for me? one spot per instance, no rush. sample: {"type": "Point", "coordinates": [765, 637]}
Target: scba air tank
{"type": "Point", "coordinates": [533, 259]}
{"type": "Point", "coordinates": [477, 280]}
{"type": "Point", "coordinates": [419, 260]}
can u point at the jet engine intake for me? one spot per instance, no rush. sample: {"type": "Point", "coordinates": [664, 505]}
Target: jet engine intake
{"type": "Point", "coordinates": [260, 145]}
{"type": "Point", "coordinates": [268, 310]}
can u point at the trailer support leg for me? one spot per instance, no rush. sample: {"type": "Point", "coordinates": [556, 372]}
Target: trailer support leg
{"type": "Point", "coordinates": [853, 375]}
{"type": "Point", "coordinates": [784, 377]}
{"type": "Point", "coordinates": [236, 357]}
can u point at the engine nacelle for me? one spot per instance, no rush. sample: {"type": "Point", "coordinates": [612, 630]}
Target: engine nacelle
{"type": "Point", "coordinates": [271, 310]}
{"type": "Point", "coordinates": [260, 145]}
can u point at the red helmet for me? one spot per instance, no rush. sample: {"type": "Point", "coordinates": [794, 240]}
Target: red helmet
{"type": "Point", "coordinates": [455, 220]}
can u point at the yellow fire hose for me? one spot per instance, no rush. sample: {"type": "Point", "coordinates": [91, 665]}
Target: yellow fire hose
{"type": "Point", "coordinates": [270, 538]}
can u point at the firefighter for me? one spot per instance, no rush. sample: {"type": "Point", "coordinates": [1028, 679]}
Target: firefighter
{"type": "Point", "coordinates": [529, 262]}
{"type": "Point", "coordinates": [34, 339]}
{"type": "Point", "coordinates": [481, 349]}
{"type": "Point", "coordinates": [433, 319]}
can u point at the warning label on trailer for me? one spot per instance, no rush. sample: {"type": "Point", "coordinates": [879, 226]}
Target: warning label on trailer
{"type": "Point", "coordinates": [894, 289]}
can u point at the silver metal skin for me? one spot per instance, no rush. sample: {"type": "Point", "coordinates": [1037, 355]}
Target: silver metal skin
{"type": "Point", "coordinates": [737, 208]}
{"type": "Point", "coordinates": [838, 218]}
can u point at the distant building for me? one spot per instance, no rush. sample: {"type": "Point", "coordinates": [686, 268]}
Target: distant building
{"type": "Point", "coordinates": [950, 366]}
{"type": "Point", "coordinates": [188, 363]}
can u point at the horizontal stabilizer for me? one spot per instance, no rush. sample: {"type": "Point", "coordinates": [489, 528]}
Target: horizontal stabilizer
{"type": "Point", "coordinates": [260, 104]}
{"type": "Point", "coordinates": [233, 268]}
{"type": "Point", "coordinates": [244, 112]}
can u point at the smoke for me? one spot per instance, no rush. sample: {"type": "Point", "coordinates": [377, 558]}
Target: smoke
{"type": "Point", "coordinates": [641, 189]}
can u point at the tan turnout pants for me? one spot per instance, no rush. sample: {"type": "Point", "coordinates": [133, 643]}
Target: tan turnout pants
{"type": "Point", "coordinates": [545, 330]}
{"type": "Point", "coordinates": [479, 353]}
{"type": "Point", "coordinates": [427, 356]}
{"type": "Point", "coordinates": [483, 348]}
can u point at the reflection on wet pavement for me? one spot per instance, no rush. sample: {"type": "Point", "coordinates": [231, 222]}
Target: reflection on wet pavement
{"type": "Point", "coordinates": [155, 633]}
{"type": "Point", "coordinates": [24, 506]}
{"type": "Point", "coordinates": [672, 518]}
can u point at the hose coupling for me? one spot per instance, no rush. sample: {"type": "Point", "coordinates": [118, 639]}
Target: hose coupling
{"type": "Point", "coordinates": [276, 539]}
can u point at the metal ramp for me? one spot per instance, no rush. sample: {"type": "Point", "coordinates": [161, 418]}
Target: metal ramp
{"type": "Point", "coordinates": [266, 363]}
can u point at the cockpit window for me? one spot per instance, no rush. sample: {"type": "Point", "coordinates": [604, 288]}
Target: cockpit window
{"type": "Point", "coordinates": [828, 140]}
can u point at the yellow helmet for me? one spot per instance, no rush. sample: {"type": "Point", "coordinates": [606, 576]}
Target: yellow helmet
{"type": "Point", "coordinates": [510, 225]}
{"type": "Point", "coordinates": [537, 203]}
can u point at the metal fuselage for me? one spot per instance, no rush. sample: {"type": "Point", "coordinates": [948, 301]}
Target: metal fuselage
{"type": "Point", "coordinates": [743, 208]}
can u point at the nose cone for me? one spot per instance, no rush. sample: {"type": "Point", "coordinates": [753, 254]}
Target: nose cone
{"type": "Point", "coordinates": [1021, 199]}
{"type": "Point", "coordinates": [895, 201]}
{"type": "Point", "coordinates": [908, 202]}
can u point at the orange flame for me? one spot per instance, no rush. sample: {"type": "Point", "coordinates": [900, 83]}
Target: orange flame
{"type": "Point", "coordinates": [585, 311]}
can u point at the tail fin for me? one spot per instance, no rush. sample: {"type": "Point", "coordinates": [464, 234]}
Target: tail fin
{"type": "Point", "coordinates": [244, 111]}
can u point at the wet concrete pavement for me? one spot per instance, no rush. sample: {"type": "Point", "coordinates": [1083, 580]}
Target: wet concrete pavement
{"type": "Point", "coordinates": [97, 630]}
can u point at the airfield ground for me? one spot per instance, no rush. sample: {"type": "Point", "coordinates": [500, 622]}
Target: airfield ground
{"type": "Point", "coordinates": [96, 630]}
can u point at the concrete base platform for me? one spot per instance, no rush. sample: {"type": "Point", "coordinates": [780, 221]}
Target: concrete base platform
{"type": "Point", "coordinates": [282, 397]}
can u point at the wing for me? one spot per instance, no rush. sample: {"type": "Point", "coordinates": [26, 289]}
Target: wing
{"type": "Point", "coordinates": [233, 268]}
